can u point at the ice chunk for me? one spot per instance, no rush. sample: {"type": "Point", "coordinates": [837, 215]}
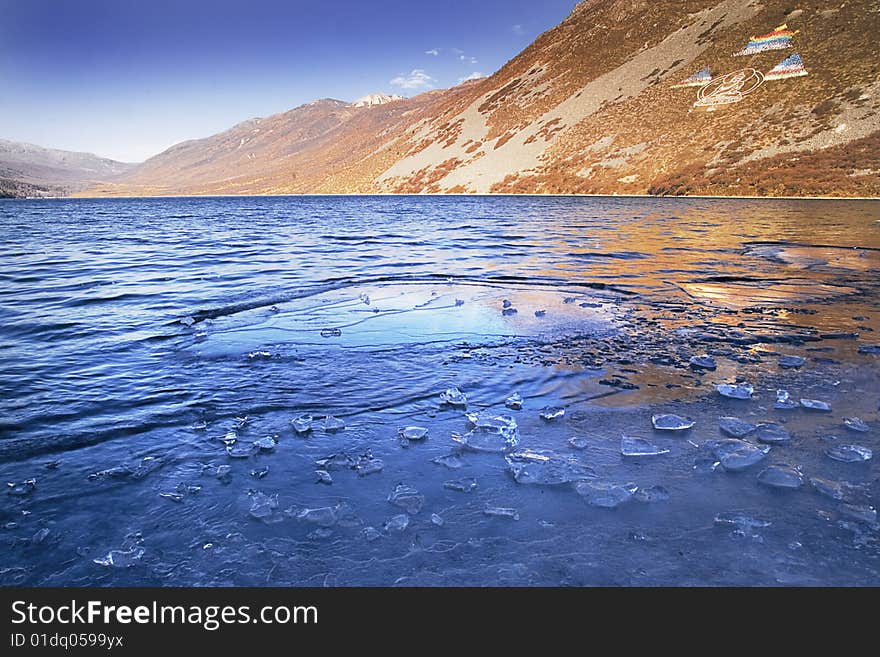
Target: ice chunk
{"type": "Point", "coordinates": [339, 461]}
{"type": "Point", "coordinates": [501, 512]}
{"type": "Point", "coordinates": [789, 362]}
{"type": "Point", "coordinates": [241, 450]}
{"type": "Point", "coordinates": [772, 433]}
{"type": "Point", "coordinates": [514, 402]}
{"type": "Point", "coordinates": [266, 444]}
{"type": "Point", "coordinates": [254, 355]}
{"type": "Point", "coordinates": [465, 485]}
{"type": "Point", "coordinates": [703, 465]}
{"type": "Point", "coordinates": [856, 424]}
{"type": "Point", "coordinates": [20, 489]}
{"type": "Point", "coordinates": [630, 446]}
{"type": "Point", "coordinates": [323, 477]}
{"type": "Point", "coordinates": [436, 520]}
{"type": "Point", "coordinates": [121, 558]}
{"type": "Point", "coordinates": [302, 424]}
{"type": "Point", "coordinates": [578, 442]}
{"type": "Point", "coordinates": [784, 402]}
{"type": "Point", "coordinates": [652, 494]}
{"type": "Point", "coordinates": [174, 497]}
{"type": "Point", "coordinates": [552, 413]}
{"type": "Point", "coordinates": [324, 516]}
{"type": "Point", "coordinates": [605, 495]}
{"type": "Point", "coordinates": [735, 455]}
{"type": "Point", "coordinates": [543, 467]}
{"type": "Point", "coordinates": [816, 405]}
{"type": "Point", "coordinates": [223, 473]}
{"type": "Point", "coordinates": [259, 473]}
{"type": "Point", "coordinates": [735, 427]}
{"type": "Point", "coordinates": [850, 453]}
{"type": "Point", "coordinates": [828, 488]}
{"type": "Point", "coordinates": [333, 424]}
{"type": "Point", "coordinates": [368, 465]}
{"type": "Point", "coordinates": [671, 422]}
{"type": "Point", "coordinates": [453, 397]}
{"type": "Point", "coordinates": [451, 461]}
{"type": "Point", "coordinates": [703, 363]}
{"type": "Point", "coordinates": [735, 390]}
{"type": "Point", "coordinates": [370, 533]}
{"type": "Point", "coordinates": [397, 523]}
{"type": "Point", "coordinates": [412, 434]}
{"type": "Point", "coordinates": [490, 433]}
{"type": "Point", "coordinates": [860, 512]}
{"type": "Point", "coordinates": [407, 498]}
{"type": "Point", "coordinates": [264, 507]}
{"type": "Point", "coordinates": [781, 476]}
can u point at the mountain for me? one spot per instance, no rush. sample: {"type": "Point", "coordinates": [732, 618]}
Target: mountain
{"type": "Point", "coordinates": [28, 170]}
{"type": "Point", "coordinates": [376, 99]}
{"type": "Point", "coordinates": [594, 105]}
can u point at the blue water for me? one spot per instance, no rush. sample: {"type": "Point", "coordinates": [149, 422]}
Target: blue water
{"type": "Point", "coordinates": [150, 329]}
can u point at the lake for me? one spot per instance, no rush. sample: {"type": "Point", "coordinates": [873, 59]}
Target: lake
{"type": "Point", "coordinates": [156, 351]}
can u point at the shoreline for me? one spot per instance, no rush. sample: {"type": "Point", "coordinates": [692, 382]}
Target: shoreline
{"type": "Point", "coordinates": [444, 195]}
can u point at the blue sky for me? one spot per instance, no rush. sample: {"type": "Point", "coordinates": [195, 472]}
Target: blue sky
{"type": "Point", "coordinates": [126, 79]}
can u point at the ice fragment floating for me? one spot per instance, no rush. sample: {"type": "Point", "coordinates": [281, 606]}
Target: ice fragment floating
{"type": "Point", "coordinates": [514, 402]}
{"type": "Point", "coordinates": [542, 467]}
{"type": "Point", "coordinates": [501, 512]}
{"type": "Point", "coordinates": [781, 476]}
{"type": "Point", "coordinates": [735, 390]}
{"type": "Point", "coordinates": [784, 402]}
{"type": "Point", "coordinates": [453, 397]}
{"type": "Point", "coordinates": [552, 413]}
{"type": "Point", "coordinates": [671, 422]}
{"type": "Point", "coordinates": [850, 453]}
{"type": "Point", "coordinates": [773, 434]}
{"type": "Point", "coordinates": [630, 446]}
{"type": "Point", "coordinates": [605, 495]}
{"type": "Point", "coordinates": [407, 498]}
{"type": "Point", "coordinates": [703, 363]}
{"type": "Point", "coordinates": [735, 427]}
{"type": "Point", "coordinates": [302, 424]}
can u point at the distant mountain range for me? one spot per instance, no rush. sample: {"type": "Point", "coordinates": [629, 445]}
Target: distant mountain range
{"type": "Point", "coordinates": [28, 170]}
{"type": "Point", "coordinates": [622, 97]}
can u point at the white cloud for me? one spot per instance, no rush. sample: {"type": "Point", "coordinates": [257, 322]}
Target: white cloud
{"type": "Point", "coordinates": [476, 75]}
{"type": "Point", "coordinates": [518, 29]}
{"type": "Point", "coordinates": [433, 52]}
{"type": "Point", "coordinates": [415, 79]}
{"type": "Point", "coordinates": [457, 51]}
{"type": "Point", "coordinates": [468, 59]}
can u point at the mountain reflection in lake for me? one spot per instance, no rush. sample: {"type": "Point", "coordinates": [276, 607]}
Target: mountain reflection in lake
{"type": "Point", "coordinates": [154, 353]}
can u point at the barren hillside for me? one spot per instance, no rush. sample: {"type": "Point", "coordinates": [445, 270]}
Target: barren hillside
{"type": "Point", "coordinates": [592, 106]}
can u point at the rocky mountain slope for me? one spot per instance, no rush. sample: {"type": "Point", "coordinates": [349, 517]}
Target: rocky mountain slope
{"type": "Point", "coordinates": [591, 106]}
{"type": "Point", "coordinates": [28, 170]}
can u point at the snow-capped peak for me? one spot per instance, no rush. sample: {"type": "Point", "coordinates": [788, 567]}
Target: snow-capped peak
{"type": "Point", "coordinates": [375, 99]}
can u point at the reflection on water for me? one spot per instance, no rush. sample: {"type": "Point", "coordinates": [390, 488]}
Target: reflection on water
{"type": "Point", "coordinates": [141, 339]}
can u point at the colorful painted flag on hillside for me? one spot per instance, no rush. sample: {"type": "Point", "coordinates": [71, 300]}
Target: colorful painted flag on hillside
{"type": "Point", "coordinates": [778, 39]}
{"type": "Point", "coordinates": [790, 67]}
{"type": "Point", "coordinates": [698, 79]}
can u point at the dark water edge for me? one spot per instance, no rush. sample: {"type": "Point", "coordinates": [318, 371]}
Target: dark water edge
{"type": "Point", "coordinates": [138, 333]}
